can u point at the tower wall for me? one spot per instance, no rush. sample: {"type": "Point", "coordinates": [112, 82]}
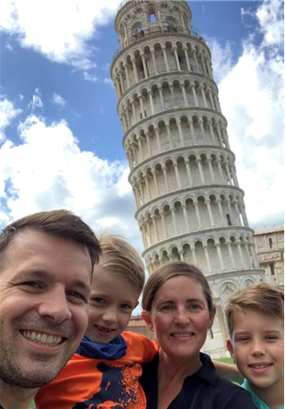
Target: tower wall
{"type": "Point", "coordinates": [182, 170]}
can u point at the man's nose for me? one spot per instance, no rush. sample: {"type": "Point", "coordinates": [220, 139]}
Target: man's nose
{"type": "Point", "coordinates": [54, 304]}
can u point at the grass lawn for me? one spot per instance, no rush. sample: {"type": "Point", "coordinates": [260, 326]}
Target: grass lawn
{"type": "Point", "coordinates": [32, 405]}
{"type": "Point", "coordinates": [226, 360]}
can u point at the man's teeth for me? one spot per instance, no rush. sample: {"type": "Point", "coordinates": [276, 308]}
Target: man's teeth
{"type": "Point", "coordinates": [45, 339]}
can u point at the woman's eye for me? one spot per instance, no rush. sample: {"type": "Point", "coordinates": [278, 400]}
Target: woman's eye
{"type": "Point", "coordinates": [166, 308]}
{"type": "Point", "coordinates": [195, 307]}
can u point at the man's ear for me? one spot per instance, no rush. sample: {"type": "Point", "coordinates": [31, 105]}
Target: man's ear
{"type": "Point", "coordinates": [147, 319]}
{"type": "Point", "coordinates": [231, 349]}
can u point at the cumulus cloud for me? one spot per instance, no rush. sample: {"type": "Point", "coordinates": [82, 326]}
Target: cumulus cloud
{"type": "Point", "coordinates": [36, 102]}
{"type": "Point", "coordinates": [48, 170]}
{"type": "Point", "coordinates": [58, 100]}
{"type": "Point", "coordinates": [60, 39]}
{"type": "Point", "coordinates": [7, 113]}
{"type": "Point", "coordinates": [252, 99]}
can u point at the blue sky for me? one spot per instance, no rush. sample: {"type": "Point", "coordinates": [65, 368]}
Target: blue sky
{"type": "Point", "coordinates": [60, 135]}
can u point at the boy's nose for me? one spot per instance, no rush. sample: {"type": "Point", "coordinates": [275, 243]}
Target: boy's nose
{"type": "Point", "coordinates": [257, 349]}
{"type": "Point", "coordinates": [110, 315]}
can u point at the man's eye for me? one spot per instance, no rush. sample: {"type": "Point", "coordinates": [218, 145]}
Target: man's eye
{"type": "Point", "coordinates": [31, 284]}
{"type": "Point", "coordinates": [77, 296]}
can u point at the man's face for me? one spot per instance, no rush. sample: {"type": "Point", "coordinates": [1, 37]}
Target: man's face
{"type": "Point", "coordinates": [44, 290]}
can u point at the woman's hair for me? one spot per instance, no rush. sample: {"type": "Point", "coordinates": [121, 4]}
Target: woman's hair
{"type": "Point", "coordinates": [122, 259]}
{"type": "Point", "coordinates": [261, 297]}
{"type": "Point", "coordinates": [164, 273]}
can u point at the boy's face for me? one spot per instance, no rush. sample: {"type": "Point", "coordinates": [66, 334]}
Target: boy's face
{"type": "Point", "coordinates": [257, 348]}
{"type": "Point", "coordinates": [111, 304]}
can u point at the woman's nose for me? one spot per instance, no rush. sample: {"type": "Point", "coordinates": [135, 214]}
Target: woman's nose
{"type": "Point", "coordinates": [182, 317]}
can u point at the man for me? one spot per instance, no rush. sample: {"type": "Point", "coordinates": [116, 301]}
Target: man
{"type": "Point", "coordinates": [46, 264]}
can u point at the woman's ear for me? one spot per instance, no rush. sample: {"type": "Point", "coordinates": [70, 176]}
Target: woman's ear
{"type": "Point", "coordinates": [147, 319]}
{"type": "Point", "coordinates": [212, 316]}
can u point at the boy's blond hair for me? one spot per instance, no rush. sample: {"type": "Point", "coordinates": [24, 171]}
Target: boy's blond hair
{"type": "Point", "coordinates": [261, 297]}
{"type": "Point", "coordinates": [120, 258]}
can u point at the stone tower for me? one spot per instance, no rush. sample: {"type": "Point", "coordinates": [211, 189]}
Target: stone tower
{"type": "Point", "coordinates": [182, 171]}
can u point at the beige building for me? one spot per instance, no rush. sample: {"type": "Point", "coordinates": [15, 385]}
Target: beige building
{"type": "Point", "coordinates": [190, 206]}
{"type": "Point", "coordinates": [269, 245]}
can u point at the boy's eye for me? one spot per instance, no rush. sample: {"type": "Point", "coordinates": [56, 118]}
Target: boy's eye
{"type": "Point", "coordinates": [242, 339]}
{"type": "Point", "coordinates": [126, 307]}
{"type": "Point", "coordinates": [271, 337]}
{"type": "Point", "coordinates": [98, 300]}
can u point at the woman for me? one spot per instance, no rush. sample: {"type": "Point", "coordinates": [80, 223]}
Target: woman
{"type": "Point", "coordinates": [178, 307]}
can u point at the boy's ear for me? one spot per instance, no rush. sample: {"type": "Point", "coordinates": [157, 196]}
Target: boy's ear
{"type": "Point", "coordinates": [231, 349]}
{"type": "Point", "coordinates": [147, 319]}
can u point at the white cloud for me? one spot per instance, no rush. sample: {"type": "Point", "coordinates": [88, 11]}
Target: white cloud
{"type": "Point", "coordinates": [36, 102]}
{"type": "Point", "coordinates": [48, 170]}
{"type": "Point", "coordinates": [60, 30]}
{"type": "Point", "coordinates": [252, 99]}
{"type": "Point", "coordinates": [7, 113]}
{"type": "Point", "coordinates": [58, 100]}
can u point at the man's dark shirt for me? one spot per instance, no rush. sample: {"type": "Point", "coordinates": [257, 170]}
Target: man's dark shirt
{"type": "Point", "coordinates": [205, 389]}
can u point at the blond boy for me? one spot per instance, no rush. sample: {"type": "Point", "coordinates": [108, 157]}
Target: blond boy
{"type": "Point", "coordinates": [105, 370]}
{"type": "Point", "coordinates": [255, 318]}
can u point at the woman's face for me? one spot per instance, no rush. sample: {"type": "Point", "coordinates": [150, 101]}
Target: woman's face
{"type": "Point", "coordinates": [180, 317]}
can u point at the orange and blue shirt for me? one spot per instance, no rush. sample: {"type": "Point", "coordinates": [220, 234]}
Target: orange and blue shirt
{"type": "Point", "coordinates": [96, 383]}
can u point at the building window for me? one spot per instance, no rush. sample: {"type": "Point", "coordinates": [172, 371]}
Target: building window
{"type": "Point", "coordinates": [229, 219]}
{"type": "Point", "coordinates": [270, 241]}
{"type": "Point", "coordinates": [152, 18]}
{"type": "Point", "coordinates": [272, 270]}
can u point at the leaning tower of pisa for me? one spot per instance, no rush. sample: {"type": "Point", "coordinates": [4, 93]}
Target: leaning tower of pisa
{"type": "Point", "coordinates": [182, 170]}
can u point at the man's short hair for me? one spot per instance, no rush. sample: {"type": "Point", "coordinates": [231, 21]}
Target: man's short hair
{"type": "Point", "coordinates": [119, 257]}
{"type": "Point", "coordinates": [261, 297]}
{"type": "Point", "coordinates": [60, 223]}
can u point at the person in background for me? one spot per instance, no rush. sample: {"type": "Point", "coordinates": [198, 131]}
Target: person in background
{"type": "Point", "coordinates": [255, 319]}
{"type": "Point", "coordinates": [46, 264]}
{"type": "Point", "coordinates": [178, 307]}
{"type": "Point", "coordinates": [105, 370]}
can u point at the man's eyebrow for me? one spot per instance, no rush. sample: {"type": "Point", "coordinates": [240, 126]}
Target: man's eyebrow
{"type": "Point", "coordinates": [43, 274]}
{"type": "Point", "coordinates": [83, 285]}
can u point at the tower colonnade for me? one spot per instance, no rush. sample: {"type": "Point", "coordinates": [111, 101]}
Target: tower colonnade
{"type": "Point", "coordinates": [190, 206]}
